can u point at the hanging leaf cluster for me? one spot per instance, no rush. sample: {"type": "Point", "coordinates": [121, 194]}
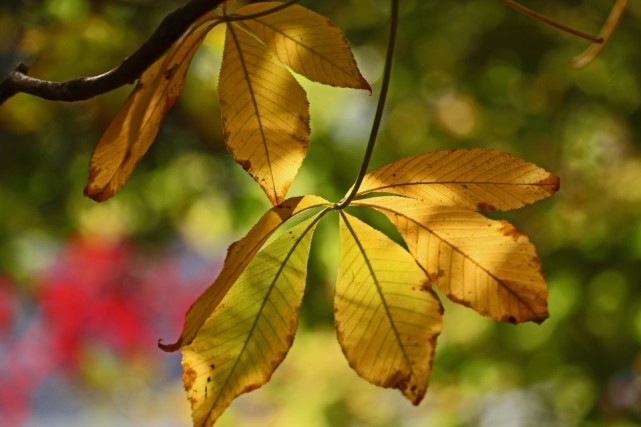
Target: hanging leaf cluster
{"type": "Point", "coordinates": [388, 314]}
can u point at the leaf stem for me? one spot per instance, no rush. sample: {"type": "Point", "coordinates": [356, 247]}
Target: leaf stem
{"type": "Point", "coordinates": [233, 17]}
{"type": "Point", "coordinates": [536, 15]}
{"type": "Point", "coordinates": [387, 73]}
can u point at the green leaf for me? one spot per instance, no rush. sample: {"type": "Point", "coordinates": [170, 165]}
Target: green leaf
{"type": "Point", "coordinates": [387, 316]}
{"type": "Point", "coordinates": [239, 255]}
{"type": "Point", "coordinates": [250, 332]}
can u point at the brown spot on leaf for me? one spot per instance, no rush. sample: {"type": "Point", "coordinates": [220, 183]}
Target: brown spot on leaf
{"type": "Point", "coordinates": [508, 229]}
{"type": "Point", "coordinates": [246, 164]}
{"type": "Point", "coordinates": [509, 318]}
{"type": "Point", "coordinates": [169, 73]}
{"type": "Point", "coordinates": [426, 286]}
{"type": "Point", "coordinates": [189, 377]}
{"type": "Point", "coordinates": [537, 263]}
{"type": "Point", "coordinates": [485, 207]}
{"type": "Point", "coordinates": [396, 380]}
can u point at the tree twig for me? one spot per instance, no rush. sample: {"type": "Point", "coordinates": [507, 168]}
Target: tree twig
{"type": "Point", "coordinates": [380, 107]}
{"type": "Point", "coordinates": [169, 30]}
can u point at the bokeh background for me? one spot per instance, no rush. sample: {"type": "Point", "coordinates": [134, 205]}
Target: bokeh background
{"type": "Point", "coordinates": [87, 289]}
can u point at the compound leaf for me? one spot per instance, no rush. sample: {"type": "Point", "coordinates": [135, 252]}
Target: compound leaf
{"type": "Point", "coordinates": [135, 127]}
{"type": "Point", "coordinates": [249, 334]}
{"type": "Point", "coordinates": [484, 264]}
{"type": "Point", "coordinates": [387, 316]}
{"type": "Point", "coordinates": [265, 113]}
{"type": "Point", "coordinates": [238, 257]}
{"type": "Point", "coordinates": [470, 179]}
{"type": "Point", "coordinates": [308, 43]}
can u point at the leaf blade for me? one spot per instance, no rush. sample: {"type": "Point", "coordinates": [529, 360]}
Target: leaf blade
{"type": "Point", "coordinates": [245, 339]}
{"type": "Point", "coordinates": [308, 43]}
{"type": "Point", "coordinates": [136, 125]}
{"type": "Point", "coordinates": [470, 179]}
{"type": "Point", "coordinates": [239, 254]}
{"type": "Point", "coordinates": [265, 113]}
{"type": "Point", "coordinates": [383, 298]}
{"type": "Point", "coordinates": [484, 264]}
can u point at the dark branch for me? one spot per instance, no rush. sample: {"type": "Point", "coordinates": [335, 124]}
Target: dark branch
{"type": "Point", "coordinates": [170, 29]}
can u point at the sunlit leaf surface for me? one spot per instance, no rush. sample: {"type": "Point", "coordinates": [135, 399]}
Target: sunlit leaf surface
{"type": "Point", "coordinates": [471, 179]}
{"type": "Point", "coordinates": [136, 125]}
{"type": "Point", "coordinates": [484, 264]}
{"type": "Point", "coordinates": [249, 334]}
{"type": "Point", "coordinates": [265, 113]}
{"type": "Point", "coordinates": [239, 255]}
{"type": "Point", "coordinates": [387, 316]}
{"type": "Point", "coordinates": [308, 43]}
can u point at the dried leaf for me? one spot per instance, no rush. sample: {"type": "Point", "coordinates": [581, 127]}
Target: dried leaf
{"type": "Point", "coordinates": [137, 124]}
{"type": "Point", "coordinates": [387, 316]}
{"type": "Point", "coordinates": [249, 334]}
{"type": "Point", "coordinates": [239, 255]}
{"type": "Point", "coordinates": [308, 43]}
{"type": "Point", "coordinates": [484, 264]}
{"type": "Point", "coordinates": [265, 113]}
{"type": "Point", "coordinates": [471, 179]}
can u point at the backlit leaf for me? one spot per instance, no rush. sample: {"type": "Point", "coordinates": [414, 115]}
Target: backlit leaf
{"type": "Point", "coordinates": [135, 127]}
{"type": "Point", "coordinates": [308, 43]}
{"type": "Point", "coordinates": [265, 113]}
{"type": "Point", "coordinates": [249, 334]}
{"type": "Point", "coordinates": [387, 316]}
{"type": "Point", "coordinates": [484, 264]}
{"type": "Point", "coordinates": [471, 179]}
{"type": "Point", "coordinates": [238, 257]}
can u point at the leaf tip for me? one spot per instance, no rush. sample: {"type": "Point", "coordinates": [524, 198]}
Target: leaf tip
{"type": "Point", "coordinates": [553, 181]}
{"type": "Point", "coordinates": [541, 319]}
{"type": "Point", "coordinates": [97, 194]}
{"type": "Point", "coordinates": [364, 84]}
{"type": "Point", "coordinates": [170, 348]}
{"type": "Point", "coordinates": [245, 164]}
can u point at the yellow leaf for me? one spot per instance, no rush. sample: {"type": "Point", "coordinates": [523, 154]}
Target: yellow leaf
{"type": "Point", "coordinates": [308, 43]}
{"type": "Point", "coordinates": [387, 316]}
{"type": "Point", "coordinates": [248, 335]}
{"type": "Point", "coordinates": [265, 113]}
{"type": "Point", "coordinates": [135, 127]}
{"type": "Point", "coordinates": [239, 255]}
{"type": "Point", "coordinates": [484, 264]}
{"type": "Point", "coordinates": [470, 179]}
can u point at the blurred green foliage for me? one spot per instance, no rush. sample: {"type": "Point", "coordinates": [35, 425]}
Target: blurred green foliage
{"type": "Point", "coordinates": [469, 73]}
